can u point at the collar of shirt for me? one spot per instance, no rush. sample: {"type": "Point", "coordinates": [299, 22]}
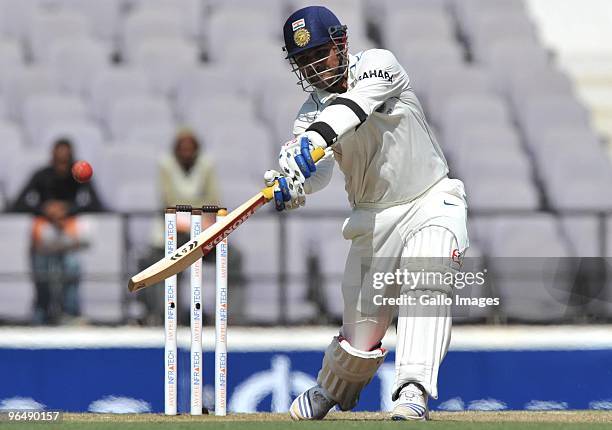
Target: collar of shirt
{"type": "Point", "coordinates": [325, 96]}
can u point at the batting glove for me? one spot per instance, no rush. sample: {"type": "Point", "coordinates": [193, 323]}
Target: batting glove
{"type": "Point", "coordinates": [288, 193]}
{"type": "Point", "coordinates": [295, 160]}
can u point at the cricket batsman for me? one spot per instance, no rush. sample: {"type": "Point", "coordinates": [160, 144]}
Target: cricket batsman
{"type": "Point", "coordinates": [362, 110]}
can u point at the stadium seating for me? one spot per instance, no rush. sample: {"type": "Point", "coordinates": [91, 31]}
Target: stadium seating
{"type": "Point", "coordinates": [154, 137]}
{"type": "Point", "coordinates": [108, 84]}
{"type": "Point", "coordinates": [518, 105]}
{"type": "Point", "coordinates": [10, 53]}
{"type": "Point", "coordinates": [75, 61]}
{"type": "Point", "coordinates": [132, 178]}
{"type": "Point", "coordinates": [18, 293]}
{"type": "Point", "coordinates": [47, 28]}
{"type": "Point", "coordinates": [441, 84]}
{"type": "Point", "coordinates": [127, 112]}
{"type": "Point", "coordinates": [105, 16]}
{"type": "Point", "coordinates": [409, 25]}
{"type": "Point", "coordinates": [152, 55]}
{"type": "Point", "coordinates": [192, 12]}
{"type": "Point", "coordinates": [324, 248]}
{"type": "Point", "coordinates": [142, 25]}
{"type": "Point", "coordinates": [201, 83]}
{"type": "Point", "coordinates": [19, 83]}
{"type": "Point", "coordinates": [534, 283]}
{"type": "Point", "coordinates": [44, 110]}
{"type": "Point", "coordinates": [101, 291]}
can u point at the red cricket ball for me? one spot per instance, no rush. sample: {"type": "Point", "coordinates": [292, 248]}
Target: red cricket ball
{"type": "Point", "coordinates": [82, 171]}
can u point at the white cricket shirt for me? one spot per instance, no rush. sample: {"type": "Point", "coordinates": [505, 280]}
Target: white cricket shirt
{"type": "Point", "coordinates": [390, 158]}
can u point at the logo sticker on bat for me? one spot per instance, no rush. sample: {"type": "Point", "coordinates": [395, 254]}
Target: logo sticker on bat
{"type": "Point", "coordinates": [184, 250]}
{"type": "Point", "coordinates": [207, 247]}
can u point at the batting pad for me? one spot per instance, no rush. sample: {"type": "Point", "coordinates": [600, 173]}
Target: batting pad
{"type": "Point", "coordinates": [346, 370]}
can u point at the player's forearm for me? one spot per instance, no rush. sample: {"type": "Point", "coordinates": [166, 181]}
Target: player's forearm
{"type": "Point", "coordinates": [322, 177]}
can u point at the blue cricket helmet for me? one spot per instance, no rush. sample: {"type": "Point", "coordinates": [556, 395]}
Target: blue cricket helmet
{"type": "Point", "coordinates": [310, 27]}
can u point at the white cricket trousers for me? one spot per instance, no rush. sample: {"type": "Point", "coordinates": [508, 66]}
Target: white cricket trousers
{"type": "Point", "coordinates": [433, 225]}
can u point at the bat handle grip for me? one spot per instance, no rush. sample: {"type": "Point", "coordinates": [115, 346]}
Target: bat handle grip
{"type": "Point", "coordinates": [316, 155]}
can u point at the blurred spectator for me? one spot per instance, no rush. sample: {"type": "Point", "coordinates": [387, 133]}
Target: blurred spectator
{"type": "Point", "coordinates": [55, 199]}
{"type": "Point", "coordinates": [186, 177]}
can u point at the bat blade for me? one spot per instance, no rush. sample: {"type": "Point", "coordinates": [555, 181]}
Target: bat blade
{"type": "Point", "coordinates": [189, 253]}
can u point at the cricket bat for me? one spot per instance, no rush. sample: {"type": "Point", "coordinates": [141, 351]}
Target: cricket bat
{"type": "Point", "coordinates": [195, 249]}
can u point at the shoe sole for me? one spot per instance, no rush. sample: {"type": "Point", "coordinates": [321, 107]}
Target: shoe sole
{"type": "Point", "coordinates": [398, 417]}
{"type": "Point", "coordinates": [403, 418]}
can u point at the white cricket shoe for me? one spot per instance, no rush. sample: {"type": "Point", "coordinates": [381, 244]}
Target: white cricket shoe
{"type": "Point", "coordinates": [312, 404]}
{"type": "Point", "coordinates": [411, 405]}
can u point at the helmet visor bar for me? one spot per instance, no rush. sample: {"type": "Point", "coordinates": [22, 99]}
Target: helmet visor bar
{"type": "Point", "coordinates": [311, 66]}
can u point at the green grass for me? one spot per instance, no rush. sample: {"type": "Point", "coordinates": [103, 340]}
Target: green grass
{"type": "Point", "coordinates": [336, 425]}
{"type": "Point", "coordinates": [509, 420]}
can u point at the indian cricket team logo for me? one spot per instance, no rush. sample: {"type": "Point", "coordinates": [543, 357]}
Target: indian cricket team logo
{"type": "Point", "coordinates": [301, 37]}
